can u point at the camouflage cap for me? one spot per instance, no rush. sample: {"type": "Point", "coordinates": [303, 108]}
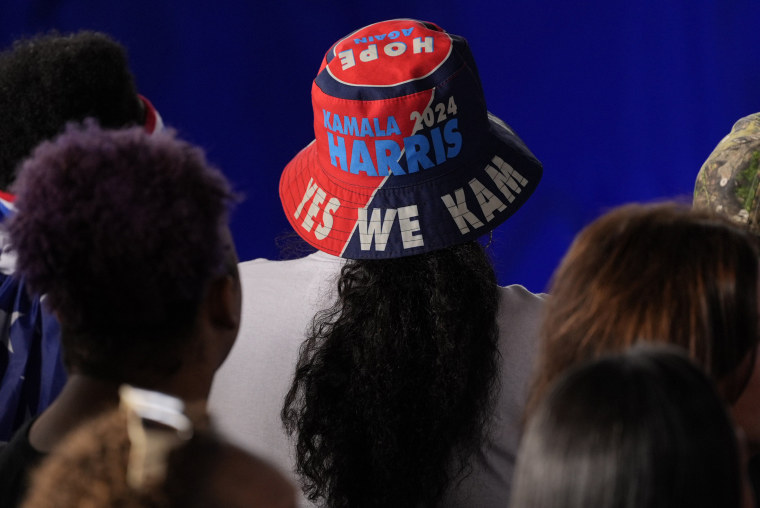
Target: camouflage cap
{"type": "Point", "coordinates": [729, 181]}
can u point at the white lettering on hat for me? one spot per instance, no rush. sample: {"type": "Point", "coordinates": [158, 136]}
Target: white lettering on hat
{"type": "Point", "coordinates": [347, 59]}
{"type": "Point", "coordinates": [407, 220]}
{"type": "Point", "coordinates": [378, 229]}
{"type": "Point", "coordinates": [459, 211]}
{"type": "Point", "coordinates": [319, 195]}
{"type": "Point", "coordinates": [310, 190]}
{"type": "Point", "coordinates": [431, 116]}
{"type": "Point", "coordinates": [418, 44]}
{"type": "Point", "coordinates": [319, 198]}
{"type": "Point", "coordinates": [369, 54]}
{"type": "Point", "coordinates": [323, 230]}
{"type": "Point", "coordinates": [395, 49]}
{"type": "Point", "coordinates": [506, 179]}
{"type": "Point", "coordinates": [486, 199]}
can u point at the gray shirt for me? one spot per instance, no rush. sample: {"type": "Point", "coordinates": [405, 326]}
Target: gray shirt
{"type": "Point", "coordinates": [280, 299]}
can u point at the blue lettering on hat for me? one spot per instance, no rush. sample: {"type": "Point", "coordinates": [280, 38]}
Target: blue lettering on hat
{"type": "Point", "coordinates": [361, 160]}
{"type": "Point", "coordinates": [416, 148]}
{"type": "Point", "coordinates": [440, 153]}
{"type": "Point", "coordinates": [337, 151]}
{"type": "Point", "coordinates": [379, 37]}
{"type": "Point", "coordinates": [378, 131]}
{"type": "Point", "coordinates": [388, 154]}
{"type": "Point", "coordinates": [350, 126]}
{"type": "Point", "coordinates": [392, 127]}
{"type": "Point", "coordinates": [453, 138]}
{"type": "Point", "coordinates": [446, 144]}
{"type": "Point", "coordinates": [336, 126]}
{"type": "Point", "coordinates": [366, 128]}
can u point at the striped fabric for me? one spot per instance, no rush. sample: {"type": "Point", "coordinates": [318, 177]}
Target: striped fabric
{"type": "Point", "coordinates": [31, 368]}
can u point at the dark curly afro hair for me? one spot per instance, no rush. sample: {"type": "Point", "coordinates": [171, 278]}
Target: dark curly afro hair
{"type": "Point", "coordinates": [121, 231]}
{"type": "Point", "coordinates": [51, 79]}
{"type": "Point", "coordinates": [394, 385]}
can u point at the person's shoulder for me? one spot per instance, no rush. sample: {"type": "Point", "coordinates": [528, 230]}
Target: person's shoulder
{"type": "Point", "coordinates": [314, 257]}
{"type": "Point", "coordinates": [520, 294]}
{"type": "Point", "coordinates": [520, 310]}
{"type": "Point", "coordinates": [309, 272]}
{"type": "Point", "coordinates": [316, 261]}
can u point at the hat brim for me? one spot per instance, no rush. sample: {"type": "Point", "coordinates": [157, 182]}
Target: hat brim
{"type": "Point", "coordinates": [397, 216]}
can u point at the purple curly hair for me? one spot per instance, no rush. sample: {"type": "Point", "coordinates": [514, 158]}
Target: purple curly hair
{"type": "Point", "coordinates": [121, 231]}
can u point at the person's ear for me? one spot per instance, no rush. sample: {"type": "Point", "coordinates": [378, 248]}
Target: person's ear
{"type": "Point", "coordinates": [223, 302]}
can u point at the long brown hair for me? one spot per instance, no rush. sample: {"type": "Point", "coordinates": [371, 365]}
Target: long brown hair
{"type": "Point", "coordinates": [660, 273]}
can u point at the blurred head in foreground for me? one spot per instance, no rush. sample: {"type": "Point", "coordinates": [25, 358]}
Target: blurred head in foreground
{"type": "Point", "coordinates": [126, 235]}
{"type": "Point", "coordinates": [645, 428]}
{"type": "Point", "coordinates": [51, 79]}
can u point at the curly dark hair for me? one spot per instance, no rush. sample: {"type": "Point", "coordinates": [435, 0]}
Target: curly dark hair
{"type": "Point", "coordinates": [51, 79]}
{"type": "Point", "coordinates": [395, 383]}
{"type": "Point", "coordinates": [121, 231]}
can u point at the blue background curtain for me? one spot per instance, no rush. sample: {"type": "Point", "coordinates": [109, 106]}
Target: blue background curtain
{"type": "Point", "coordinates": [621, 101]}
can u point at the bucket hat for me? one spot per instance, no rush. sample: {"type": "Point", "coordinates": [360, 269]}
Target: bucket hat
{"type": "Point", "coordinates": [406, 157]}
{"type": "Point", "coordinates": [729, 180]}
